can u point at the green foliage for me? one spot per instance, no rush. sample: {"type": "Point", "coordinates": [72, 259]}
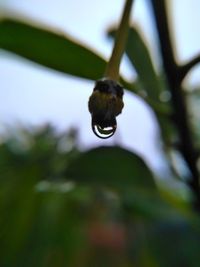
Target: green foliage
{"type": "Point", "coordinates": [140, 59]}
{"type": "Point", "coordinates": [193, 99]}
{"type": "Point", "coordinates": [150, 85]}
{"type": "Point", "coordinates": [54, 50]}
{"type": "Point", "coordinates": [102, 167]}
{"type": "Point", "coordinates": [55, 201]}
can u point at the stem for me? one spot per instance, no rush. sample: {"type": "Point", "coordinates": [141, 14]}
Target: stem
{"type": "Point", "coordinates": [112, 69]}
{"type": "Point", "coordinates": [178, 101]}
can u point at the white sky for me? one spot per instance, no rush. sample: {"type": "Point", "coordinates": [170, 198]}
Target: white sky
{"type": "Point", "coordinates": [36, 95]}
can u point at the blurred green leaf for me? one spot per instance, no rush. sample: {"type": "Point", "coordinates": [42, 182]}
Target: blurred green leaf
{"type": "Point", "coordinates": [155, 87]}
{"type": "Point", "coordinates": [137, 52]}
{"type": "Point", "coordinates": [51, 49]}
{"type": "Point", "coordinates": [193, 102]}
{"type": "Point", "coordinates": [174, 244]}
{"type": "Point", "coordinates": [139, 56]}
{"type": "Point", "coordinates": [149, 85]}
{"type": "Point", "coordinates": [149, 205]}
{"type": "Point", "coordinates": [111, 166]}
{"type": "Point", "coordinates": [40, 229]}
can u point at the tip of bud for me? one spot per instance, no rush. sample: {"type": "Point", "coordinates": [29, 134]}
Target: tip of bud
{"type": "Point", "coordinates": [109, 86]}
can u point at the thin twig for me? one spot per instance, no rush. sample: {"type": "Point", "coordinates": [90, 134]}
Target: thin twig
{"type": "Point", "coordinates": [178, 100]}
{"type": "Point", "coordinates": [112, 70]}
{"type": "Point", "coordinates": [183, 71]}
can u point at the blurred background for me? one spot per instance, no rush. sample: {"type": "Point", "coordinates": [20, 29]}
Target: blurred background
{"type": "Point", "coordinates": [68, 198]}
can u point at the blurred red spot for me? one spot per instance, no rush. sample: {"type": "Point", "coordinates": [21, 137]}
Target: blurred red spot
{"type": "Point", "coordinates": [107, 235]}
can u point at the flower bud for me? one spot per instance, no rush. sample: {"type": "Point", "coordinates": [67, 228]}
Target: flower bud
{"type": "Point", "coordinates": [105, 103]}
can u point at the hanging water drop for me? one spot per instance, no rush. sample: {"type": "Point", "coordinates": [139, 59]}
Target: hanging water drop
{"type": "Point", "coordinates": [103, 133]}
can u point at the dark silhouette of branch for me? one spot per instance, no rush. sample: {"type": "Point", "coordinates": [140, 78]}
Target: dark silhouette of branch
{"type": "Point", "coordinates": [172, 71]}
{"type": "Point", "coordinates": [183, 70]}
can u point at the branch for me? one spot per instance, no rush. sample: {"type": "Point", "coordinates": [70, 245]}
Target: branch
{"type": "Point", "coordinates": [178, 100]}
{"type": "Point", "coordinates": [183, 70]}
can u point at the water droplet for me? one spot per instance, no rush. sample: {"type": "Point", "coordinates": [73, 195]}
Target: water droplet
{"type": "Point", "coordinates": [103, 133]}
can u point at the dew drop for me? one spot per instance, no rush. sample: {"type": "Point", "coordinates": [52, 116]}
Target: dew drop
{"type": "Point", "coordinates": [103, 133]}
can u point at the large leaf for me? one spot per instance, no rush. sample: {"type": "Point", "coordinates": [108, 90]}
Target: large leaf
{"type": "Point", "coordinates": [50, 49]}
{"type": "Point", "coordinates": [123, 172]}
{"type": "Point", "coordinates": [111, 166]}
{"type": "Point", "coordinates": [139, 55]}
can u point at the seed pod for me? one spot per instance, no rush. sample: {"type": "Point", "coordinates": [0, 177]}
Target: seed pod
{"type": "Point", "coordinates": [105, 103]}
